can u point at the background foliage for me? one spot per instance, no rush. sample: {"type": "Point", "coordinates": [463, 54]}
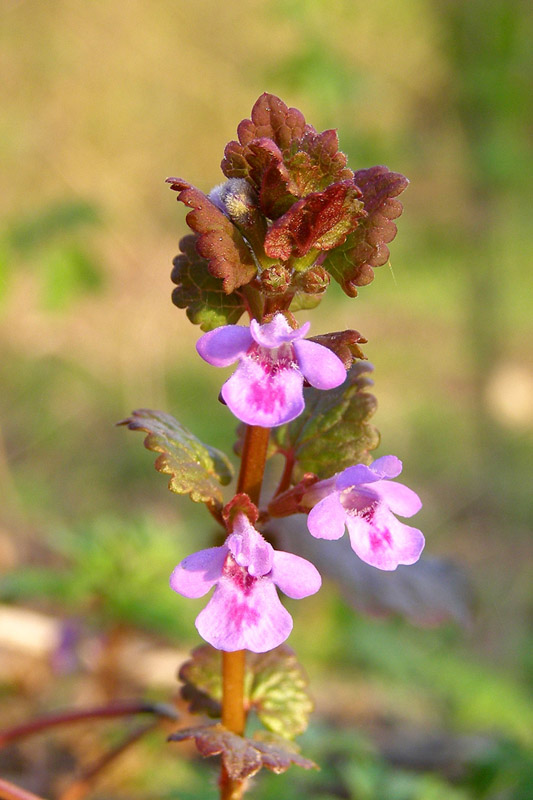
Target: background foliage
{"type": "Point", "coordinates": [100, 106]}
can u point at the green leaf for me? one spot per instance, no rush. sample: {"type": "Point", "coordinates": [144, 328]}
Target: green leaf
{"type": "Point", "coordinates": [278, 692]}
{"type": "Point", "coordinates": [334, 431]}
{"type": "Point", "coordinates": [200, 293]}
{"type": "Point", "coordinates": [275, 687]}
{"type": "Point", "coordinates": [303, 301]}
{"type": "Point", "coordinates": [202, 681]}
{"type": "Point", "coordinates": [195, 468]}
{"type": "Point", "coordinates": [243, 757]}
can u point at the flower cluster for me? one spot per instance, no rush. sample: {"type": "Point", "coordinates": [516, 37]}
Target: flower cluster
{"type": "Point", "coordinates": [290, 217]}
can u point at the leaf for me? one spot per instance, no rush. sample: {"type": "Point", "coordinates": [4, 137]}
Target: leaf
{"type": "Point", "coordinates": [271, 119]}
{"type": "Point", "coordinates": [219, 242]}
{"type": "Point", "coordinates": [303, 301]}
{"type": "Point", "coordinates": [268, 172]}
{"type": "Point", "coordinates": [321, 220]}
{"type": "Point", "coordinates": [431, 592]}
{"type": "Point", "coordinates": [243, 757]}
{"type": "Point", "coordinates": [334, 431]}
{"type": "Point", "coordinates": [318, 162]}
{"type": "Point", "coordinates": [275, 687]}
{"type": "Point", "coordinates": [307, 161]}
{"type": "Point", "coordinates": [351, 264]}
{"type": "Point", "coordinates": [345, 345]}
{"type": "Point", "coordinates": [199, 292]}
{"type": "Point", "coordinates": [201, 676]}
{"type": "Point", "coordinates": [278, 692]}
{"type": "Point", "coordinates": [195, 468]}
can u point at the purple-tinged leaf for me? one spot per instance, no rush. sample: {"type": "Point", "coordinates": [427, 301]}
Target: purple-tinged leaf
{"type": "Point", "coordinates": [194, 468]}
{"type": "Point", "coordinates": [268, 172]}
{"type": "Point", "coordinates": [219, 241]}
{"type": "Point", "coordinates": [352, 263]}
{"type": "Point", "coordinates": [318, 162]}
{"type": "Point", "coordinates": [275, 687]}
{"type": "Point", "coordinates": [431, 592]}
{"type": "Point", "coordinates": [243, 757]}
{"type": "Point", "coordinates": [271, 119]}
{"type": "Point", "coordinates": [304, 161]}
{"type": "Point", "coordinates": [345, 345]}
{"type": "Point", "coordinates": [334, 431]}
{"type": "Point", "coordinates": [321, 220]}
{"type": "Point", "coordinates": [199, 292]}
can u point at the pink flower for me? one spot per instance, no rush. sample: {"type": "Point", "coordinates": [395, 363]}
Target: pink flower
{"type": "Point", "coordinates": [364, 499]}
{"type": "Point", "coordinates": [245, 612]}
{"type": "Point", "coordinates": [267, 387]}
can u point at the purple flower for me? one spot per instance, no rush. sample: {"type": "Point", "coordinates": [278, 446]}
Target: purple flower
{"type": "Point", "coordinates": [245, 612]}
{"type": "Point", "coordinates": [365, 500]}
{"type": "Point", "coordinates": [267, 387]}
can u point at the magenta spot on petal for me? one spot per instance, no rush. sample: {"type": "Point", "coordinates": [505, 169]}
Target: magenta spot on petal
{"type": "Point", "coordinates": [266, 394]}
{"type": "Point", "coordinates": [266, 398]}
{"type": "Point", "coordinates": [379, 537]}
{"type": "Point", "coordinates": [239, 576]}
{"type": "Point", "coordinates": [242, 615]}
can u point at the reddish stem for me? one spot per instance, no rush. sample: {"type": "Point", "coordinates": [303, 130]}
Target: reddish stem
{"type": "Point", "coordinates": [233, 664]}
{"type": "Point", "coordinates": [67, 717]}
{"type": "Point", "coordinates": [10, 791]}
{"type": "Point", "coordinates": [83, 784]}
{"type": "Point", "coordinates": [285, 480]}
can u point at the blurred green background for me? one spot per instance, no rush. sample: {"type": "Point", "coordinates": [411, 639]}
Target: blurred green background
{"type": "Point", "coordinates": [104, 100]}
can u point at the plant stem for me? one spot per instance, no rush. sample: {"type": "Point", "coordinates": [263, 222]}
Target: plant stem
{"type": "Point", "coordinates": [253, 461]}
{"type": "Point", "coordinates": [83, 784]}
{"type": "Point", "coordinates": [285, 480]}
{"type": "Point", "coordinates": [79, 715]}
{"type": "Point", "coordinates": [233, 664]}
{"type": "Point", "coordinates": [9, 791]}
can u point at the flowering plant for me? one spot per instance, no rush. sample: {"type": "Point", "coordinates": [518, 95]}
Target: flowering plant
{"type": "Point", "coordinates": [290, 217]}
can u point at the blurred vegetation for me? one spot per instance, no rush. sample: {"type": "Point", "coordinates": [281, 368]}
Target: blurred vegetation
{"type": "Point", "coordinates": [100, 106]}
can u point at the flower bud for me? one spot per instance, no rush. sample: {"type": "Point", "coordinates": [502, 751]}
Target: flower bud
{"type": "Point", "coordinates": [236, 199]}
{"type": "Point", "coordinates": [275, 280]}
{"type": "Point", "coordinates": [315, 280]}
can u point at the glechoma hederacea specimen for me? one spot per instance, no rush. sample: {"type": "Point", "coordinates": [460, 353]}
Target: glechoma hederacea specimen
{"type": "Point", "coordinates": [290, 217]}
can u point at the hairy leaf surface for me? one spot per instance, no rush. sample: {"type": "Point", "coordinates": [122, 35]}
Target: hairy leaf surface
{"type": "Point", "coordinates": [194, 468]}
{"type": "Point", "coordinates": [321, 220]}
{"type": "Point", "coordinates": [243, 757]}
{"type": "Point", "coordinates": [352, 263]}
{"type": "Point", "coordinates": [275, 687]}
{"type": "Point", "coordinates": [219, 241]}
{"type": "Point", "coordinates": [334, 431]}
{"type": "Point", "coordinates": [199, 292]}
